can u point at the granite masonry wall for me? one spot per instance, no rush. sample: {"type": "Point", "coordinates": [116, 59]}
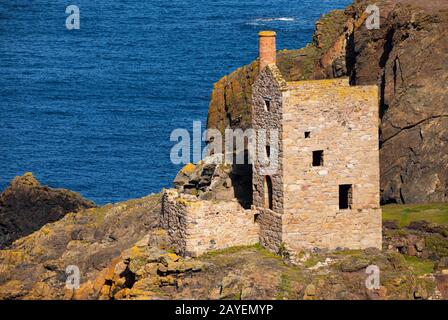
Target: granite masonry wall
{"type": "Point", "coordinates": [270, 229]}
{"type": "Point", "coordinates": [267, 87]}
{"type": "Point", "coordinates": [196, 226]}
{"type": "Point", "coordinates": [341, 121]}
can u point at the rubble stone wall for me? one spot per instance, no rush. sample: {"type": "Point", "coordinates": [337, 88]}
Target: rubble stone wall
{"type": "Point", "coordinates": [270, 229]}
{"type": "Point", "coordinates": [197, 226]}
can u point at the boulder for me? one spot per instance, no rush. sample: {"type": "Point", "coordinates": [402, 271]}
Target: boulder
{"type": "Point", "coordinates": [353, 264]}
{"type": "Point", "coordinates": [310, 292]}
{"type": "Point", "coordinates": [25, 206]}
{"type": "Point", "coordinates": [184, 175]}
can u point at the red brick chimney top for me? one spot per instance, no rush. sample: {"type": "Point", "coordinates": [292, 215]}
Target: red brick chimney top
{"type": "Point", "coordinates": [267, 48]}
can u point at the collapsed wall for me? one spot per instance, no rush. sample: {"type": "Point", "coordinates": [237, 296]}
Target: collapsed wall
{"type": "Point", "coordinates": [196, 226]}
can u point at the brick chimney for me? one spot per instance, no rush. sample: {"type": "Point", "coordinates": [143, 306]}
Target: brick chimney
{"type": "Point", "coordinates": [267, 48]}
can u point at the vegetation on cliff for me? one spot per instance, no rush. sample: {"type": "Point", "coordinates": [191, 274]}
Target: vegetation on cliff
{"type": "Point", "coordinates": [122, 253]}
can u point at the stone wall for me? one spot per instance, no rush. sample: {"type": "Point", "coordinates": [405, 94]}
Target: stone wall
{"type": "Point", "coordinates": [342, 121]}
{"type": "Point", "coordinates": [173, 218]}
{"type": "Point", "coordinates": [270, 229]}
{"type": "Point", "coordinates": [196, 226]}
{"type": "Point", "coordinates": [268, 86]}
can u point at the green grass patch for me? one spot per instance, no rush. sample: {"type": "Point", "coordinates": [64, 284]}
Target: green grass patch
{"type": "Point", "coordinates": [405, 214]}
{"type": "Point", "coordinates": [287, 286]}
{"type": "Point", "coordinates": [419, 266]}
{"type": "Point", "coordinates": [257, 247]}
{"type": "Point", "coordinates": [229, 250]}
{"type": "Point", "coordinates": [266, 253]}
{"type": "Point", "coordinates": [348, 252]}
{"type": "Point", "coordinates": [284, 287]}
{"type": "Point", "coordinates": [311, 262]}
{"type": "Point", "coordinates": [437, 244]}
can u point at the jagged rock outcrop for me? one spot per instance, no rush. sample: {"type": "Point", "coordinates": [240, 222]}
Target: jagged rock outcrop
{"type": "Point", "coordinates": [406, 58]}
{"type": "Point", "coordinates": [122, 253]}
{"type": "Point", "coordinates": [34, 267]}
{"type": "Point", "coordinates": [212, 179]}
{"type": "Point", "coordinates": [209, 179]}
{"type": "Point", "coordinates": [143, 272]}
{"type": "Point", "coordinates": [150, 271]}
{"type": "Point", "coordinates": [25, 206]}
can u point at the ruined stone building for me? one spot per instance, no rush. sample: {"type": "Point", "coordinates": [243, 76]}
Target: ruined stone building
{"type": "Point", "coordinates": [325, 190]}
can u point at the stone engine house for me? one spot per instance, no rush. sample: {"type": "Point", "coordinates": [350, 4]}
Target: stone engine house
{"type": "Point", "coordinates": [324, 192]}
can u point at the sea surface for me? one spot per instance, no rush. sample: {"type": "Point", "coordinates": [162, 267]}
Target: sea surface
{"type": "Point", "coordinates": [92, 109]}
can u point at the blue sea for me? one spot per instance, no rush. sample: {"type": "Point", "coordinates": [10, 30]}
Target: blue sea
{"type": "Point", "coordinates": [92, 109]}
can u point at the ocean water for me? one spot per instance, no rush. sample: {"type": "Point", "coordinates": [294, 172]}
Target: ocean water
{"type": "Point", "coordinates": [92, 110]}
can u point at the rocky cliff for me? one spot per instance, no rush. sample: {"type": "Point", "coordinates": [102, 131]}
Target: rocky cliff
{"type": "Point", "coordinates": [122, 253]}
{"type": "Point", "coordinates": [25, 206]}
{"type": "Point", "coordinates": [406, 58]}
{"type": "Point", "coordinates": [33, 267]}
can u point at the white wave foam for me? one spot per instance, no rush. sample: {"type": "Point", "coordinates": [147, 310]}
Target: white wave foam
{"type": "Point", "coordinates": [275, 19]}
